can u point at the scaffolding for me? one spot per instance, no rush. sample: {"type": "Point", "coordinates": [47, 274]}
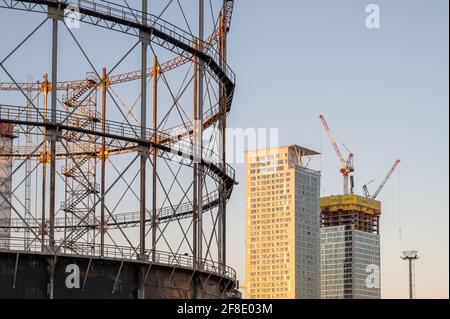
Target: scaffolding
{"type": "Point", "coordinates": [346, 210]}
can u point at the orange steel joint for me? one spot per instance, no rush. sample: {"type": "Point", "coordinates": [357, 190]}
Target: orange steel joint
{"type": "Point", "coordinates": [156, 70]}
{"type": "Point", "coordinates": [45, 157]}
{"type": "Point", "coordinates": [105, 80]}
{"type": "Point", "coordinates": [103, 155]}
{"type": "Point", "coordinates": [46, 86]}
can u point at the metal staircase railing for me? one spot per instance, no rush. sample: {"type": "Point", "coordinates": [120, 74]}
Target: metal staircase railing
{"type": "Point", "coordinates": [72, 99]}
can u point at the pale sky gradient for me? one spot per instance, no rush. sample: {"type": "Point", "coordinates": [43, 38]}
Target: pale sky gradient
{"type": "Point", "coordinates": [384, 92]}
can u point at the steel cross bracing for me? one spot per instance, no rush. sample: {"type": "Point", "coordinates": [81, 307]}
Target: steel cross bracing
{"type": "Point", "coordinates": [174, 148]}
{"type": "Point", "coordinates": [129, 20]}
{"type": "Point", "coordinates": [131, 219]}
{"type": "Point", "coordinates": [170, 135]}
{"type": "Point", "coordinates": [72, 129]}
{"type": "Point", "coordinates": [91, 78]}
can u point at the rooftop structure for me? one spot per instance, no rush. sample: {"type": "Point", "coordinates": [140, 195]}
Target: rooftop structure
{"type": "Point", "coordinates": [361, 212]}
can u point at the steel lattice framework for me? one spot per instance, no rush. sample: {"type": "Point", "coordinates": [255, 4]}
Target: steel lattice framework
{"type": "Point", "coordinates": [81, 144]}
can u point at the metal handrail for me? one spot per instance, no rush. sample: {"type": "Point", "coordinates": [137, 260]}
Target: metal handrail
{"type": "Point", "coordinates": [164, 214]}
{"type": "Point", "coordinates": [136, 16]}
{"type": "Point", "coordinates": [123, 253]}
{"type": "Point", "coordinates": [127, 131]}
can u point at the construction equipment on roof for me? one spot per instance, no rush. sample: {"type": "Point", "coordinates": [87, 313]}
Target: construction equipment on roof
{"type": "Point", "coordinates": [380, 188]}
{"type": "Point", "coordinates": [346, 165]}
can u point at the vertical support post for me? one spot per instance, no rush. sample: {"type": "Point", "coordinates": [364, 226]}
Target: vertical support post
{"type": "Point", "coordinates": [43, 159]}
{"type": "Point", "coordinates": [66, 190]}
{"type": "Point", "coordinates": [29, 143]}
{"type": "Point", "coordinates": [143, 172]}
{"type": "Point", "coordinates": [411, 290]}
{"type": "Point", "coordinates": [195, 139]}
{"type": "Point", "coordinates": [103, 157]}
{"type": "Point", "coordinates": [201, 75]}
{"type": "Point", "coordinates": [346, 185]}
{"type": "Point", "coordinates": [154, 153]}
{"type": "Point", "coordinates": [222, 143]}
{"type": "Point", "coordinates": [51, 263]}
{"type": "Point", "coordinates": [54, 132]}
{"type": "Point", "coordinates": [143, 167]}
{"type": "Point", "coordinates": [411, 257]}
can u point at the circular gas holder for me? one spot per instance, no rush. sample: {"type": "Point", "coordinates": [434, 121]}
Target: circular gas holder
{"type": "Point", "coordinates": [120, 173]}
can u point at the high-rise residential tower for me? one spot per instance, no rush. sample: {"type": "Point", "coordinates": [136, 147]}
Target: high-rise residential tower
{"type": "Point", "coordinates": [350, 247]}
{"type": "Point", "coordinates": [282, 224]}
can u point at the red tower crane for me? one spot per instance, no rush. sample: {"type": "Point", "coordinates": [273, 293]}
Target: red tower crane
{"type": "Point", "coordinates": [377, 192]}
{"type": "Point", "coordinates": [346, 165]}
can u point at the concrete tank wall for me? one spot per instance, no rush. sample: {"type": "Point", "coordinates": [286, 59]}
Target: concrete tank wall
{"type": "Point", "coordinates": [105, 279]}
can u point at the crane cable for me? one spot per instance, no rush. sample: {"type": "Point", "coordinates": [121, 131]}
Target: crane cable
{"type": "Point", "coordinates": [399, 206]}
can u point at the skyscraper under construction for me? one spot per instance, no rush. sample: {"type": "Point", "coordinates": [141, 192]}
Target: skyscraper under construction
{"type": "Point", "coordinates": [350, 247]}
{"type": "Point", "coordinates": [350, 236]}
{"type": "Point", "coordinates": [282, 224]}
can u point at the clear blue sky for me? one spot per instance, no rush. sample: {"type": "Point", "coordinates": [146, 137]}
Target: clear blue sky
{"type": "Point", "coordinates": [384, 92]}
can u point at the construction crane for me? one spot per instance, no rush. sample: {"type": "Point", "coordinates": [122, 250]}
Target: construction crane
{"type": "Point", "coordinates": [377, 192]}
{"type": "Point", "coordinates": [346, 165]}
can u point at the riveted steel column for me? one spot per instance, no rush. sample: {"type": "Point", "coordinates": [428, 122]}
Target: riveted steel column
{"type": "Point", "coordinates": [43, 158]}
{"type": "Point", "coordinates": [142, 204]}
{"type": "Point", "coordinates": [144, 152]}
{"type": "Point", "coordinates": [103, 156]}
{"type": "Point", "coordinates": [199, 142]}
{"type": "Point", "coordinates": [154, 153]}
{"type": "Point", "coordinates": [195, 139]}
{"type": "Point", "coordinates": [53, 136]}
{"type": "Point", "coordinates": [222, 143]}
